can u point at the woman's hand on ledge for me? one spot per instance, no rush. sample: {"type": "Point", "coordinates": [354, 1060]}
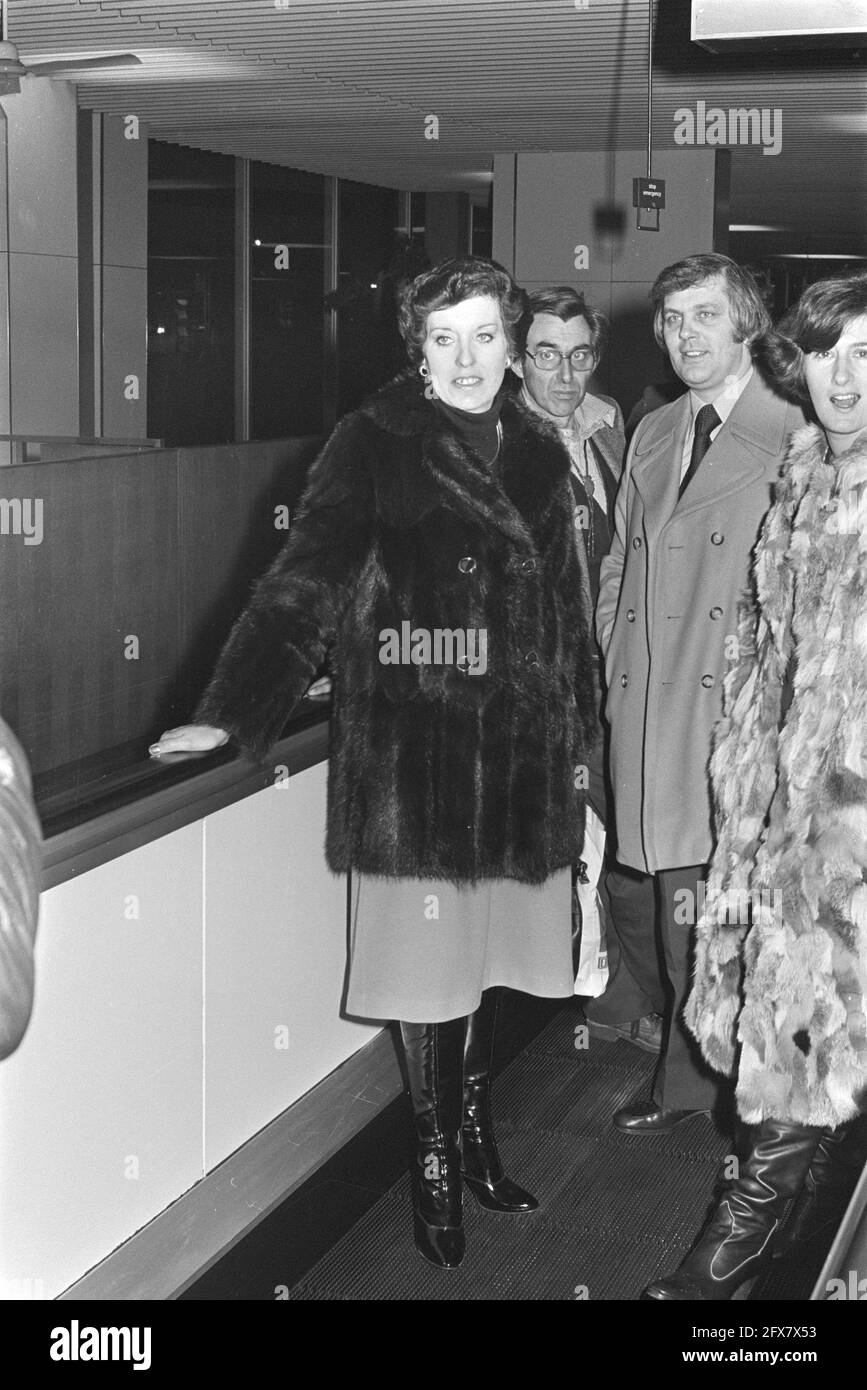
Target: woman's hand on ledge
{"type": "Point", "coordinates": [189, 738]}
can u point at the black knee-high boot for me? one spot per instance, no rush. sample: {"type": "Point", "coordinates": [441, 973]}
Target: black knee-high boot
{"type": "Point", "coordinates": [737, 1242]}
{"type": "Point", "coordinates": [482, 1168]}
{"type": "Point", "coordinates": [434, 1063]}
{"type": "Point", "coordinates": [833, 1176]}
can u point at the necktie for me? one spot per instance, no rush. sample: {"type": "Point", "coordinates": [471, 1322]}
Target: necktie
{"type": "Point", "coordinates": [706, 422]}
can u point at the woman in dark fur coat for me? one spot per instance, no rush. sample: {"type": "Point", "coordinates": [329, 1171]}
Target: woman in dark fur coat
{"type": "Point", "coordinates": [780, 991]}
{"type": "Point", "coordinates": [434, 559]}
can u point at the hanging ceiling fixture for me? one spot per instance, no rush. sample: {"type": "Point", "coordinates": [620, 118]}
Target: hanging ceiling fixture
{"type": "Point", "coordinates": [648, 194]}
{"type": "Point", "coordinates": [12, 69]}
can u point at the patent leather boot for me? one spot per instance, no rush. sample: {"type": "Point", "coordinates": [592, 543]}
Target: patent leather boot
{"type": "Point", "coordinates": [737, 1242]}
{"type": "Point", "coordinates": [832, 1178]}
{"type": "Point", "coordinates": [434, 1064]}
{"type": "Point", "coordinates": [482, 1169]}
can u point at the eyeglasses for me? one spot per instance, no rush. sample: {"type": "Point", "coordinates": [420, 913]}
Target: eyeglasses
{"type": "Point", "coordinates": [548, 359]}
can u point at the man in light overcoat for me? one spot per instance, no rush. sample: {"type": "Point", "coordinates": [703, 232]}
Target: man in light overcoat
{"type": "Point", "coordinates": [695, 489]}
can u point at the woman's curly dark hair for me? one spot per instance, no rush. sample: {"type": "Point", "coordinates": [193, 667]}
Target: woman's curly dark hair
{"type": "Point", "coordinates": [814, 324]}
{"type": "Point", "coordinates": [450, 283]}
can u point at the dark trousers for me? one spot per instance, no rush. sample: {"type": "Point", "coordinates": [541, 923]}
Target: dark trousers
{"type": "Point", "coordinates": [683, 1081]}
{"type": "Point", "coordinates": [651, 929]}
{"type": "Point", "coordinates": [635, 977]}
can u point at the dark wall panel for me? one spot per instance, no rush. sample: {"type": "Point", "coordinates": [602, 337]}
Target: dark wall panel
{"type": "Point", "coordinates": [160, 547]}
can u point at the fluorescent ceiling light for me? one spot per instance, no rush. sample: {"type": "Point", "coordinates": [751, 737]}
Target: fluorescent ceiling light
{"type": "Point", "coordinates": [815, 256]}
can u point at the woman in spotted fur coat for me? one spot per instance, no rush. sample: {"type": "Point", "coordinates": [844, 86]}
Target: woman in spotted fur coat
{"type": "Point", "coordinates": [780, 992]}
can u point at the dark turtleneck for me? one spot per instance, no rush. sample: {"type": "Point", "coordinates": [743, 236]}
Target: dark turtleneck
{"type": "Point", "coordinates": [477, 429]}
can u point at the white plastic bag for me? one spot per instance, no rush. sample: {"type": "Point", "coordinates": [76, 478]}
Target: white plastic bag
{"type": "Point", "coordinates": [592, 976]}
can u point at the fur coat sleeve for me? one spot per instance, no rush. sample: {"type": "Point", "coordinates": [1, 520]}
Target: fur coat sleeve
{"type": "Point", "coordinates": [20, 854]}
{"type": "Point", "coordinates": [281, 639]}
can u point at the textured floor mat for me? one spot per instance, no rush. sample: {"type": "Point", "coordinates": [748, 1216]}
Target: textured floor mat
{"type": "Point", "coordinates": [615, 1210]}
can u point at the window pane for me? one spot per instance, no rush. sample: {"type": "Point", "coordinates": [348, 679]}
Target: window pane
{"type": "Point", "coordinates": [288, 263]}
{"type": "Point", "coordinates": [191, 295]}
{"type": "Point", "coordinates": [373, 257]}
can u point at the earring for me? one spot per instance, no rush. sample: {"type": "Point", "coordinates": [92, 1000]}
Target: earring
{"type": "Point", "coordinates": [508, 362]}
{"type": "Point", "coordinates": [429, 392]}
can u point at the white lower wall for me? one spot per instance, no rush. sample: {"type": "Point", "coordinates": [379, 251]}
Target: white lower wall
{"type": "Point", "coordinates": [275, 960]}
{"type": "Point", "coordinates": [152, 1053]}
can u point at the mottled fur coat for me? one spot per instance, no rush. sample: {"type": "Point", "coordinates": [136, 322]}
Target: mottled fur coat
{"type": "Point", "coordinates": [791, 796]}
{"type": "Point", "coordinates": [435, 771]}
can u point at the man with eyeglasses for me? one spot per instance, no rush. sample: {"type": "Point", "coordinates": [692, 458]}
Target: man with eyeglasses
{"type": "Point", "coordinates": [565, 340]}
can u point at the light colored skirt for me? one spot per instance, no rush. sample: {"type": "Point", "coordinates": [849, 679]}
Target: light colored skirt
{"type": "Point", "coordinates": [424, 950]}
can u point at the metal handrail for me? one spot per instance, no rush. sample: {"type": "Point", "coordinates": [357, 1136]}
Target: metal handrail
{"type": "Point", "coordinates": [847, 1258]}
{"type": "Point", "coordinates": [29, 448]}
{"type": "Point", "coordinates": [80, 439]}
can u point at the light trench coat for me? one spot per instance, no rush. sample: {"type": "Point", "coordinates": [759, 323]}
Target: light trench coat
{"type": "Point", "coordinates": [667, 615]}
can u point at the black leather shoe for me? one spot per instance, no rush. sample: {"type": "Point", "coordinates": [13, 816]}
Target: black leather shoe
{"type": "Point", "coordinates": [481, 1165]}
{"type": "Point", "coordinates": [434, 1063]}
{"type": "Point", "coordinates": [647, 1118]}
{"type": "Point", "coordinates": [737, 1242]}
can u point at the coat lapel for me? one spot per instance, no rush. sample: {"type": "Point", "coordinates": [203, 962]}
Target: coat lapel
{"type": "Point", "coordinates": [656, 463]}
{"type": "Point", "coordinates": [748, 445]}
{"type": "Point", "coordinates": [532, 465]}
{"type": "Point", "coordinates": [609, 442]}
{"type": "Point", "coordinates": [746, 449]}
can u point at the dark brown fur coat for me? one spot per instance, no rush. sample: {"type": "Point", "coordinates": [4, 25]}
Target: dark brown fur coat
{"type": "Point", "coordinates": [791, 989]}
{"type": "Point", "coordinates": [433, 772]}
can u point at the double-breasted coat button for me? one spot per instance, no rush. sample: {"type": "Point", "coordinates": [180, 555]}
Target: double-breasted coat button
{"type": "Point", "coordinates": [636, 542]}
{"type": "Point", "coordinates": [716, 613]}
{"type": "Point", "coordinates": [630, 615]}
{"type": "Point", "coordinates": [468, 564]}
{"type": "Point", "coordinates": [531, 659]}
{"type": "Point", "coordinates": [528, 566]}
{"type": "Point", "coordinates": [717, 538]}
{"type": "Point", "coordinates": [463, 664]}
{"type": "Point", "coordinates": [707, 682]}
{"type": "Point", "coordinates": [624, 681]}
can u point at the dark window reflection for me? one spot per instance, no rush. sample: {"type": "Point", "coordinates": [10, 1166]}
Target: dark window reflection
{"type": "Point", "coordinates": [191, 295]}
{"type": "Point", "coordinates": [288, 262]}
{"type": "Point", "coordinates": [376, 255]}
{"type": "Point", "coordinates": [481, 229]}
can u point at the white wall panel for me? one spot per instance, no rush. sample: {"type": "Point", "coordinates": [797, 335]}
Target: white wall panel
{"type": "Point", "coordinates": [44, 328]}
{"type": "Point", "coordinates": [125, 190]}
{"type": "Point", "coordinates": [124, 351]}
{"type": "Point", "coordinates": [101, 1106]}
{"type": "Point", "coordinates": [275, 959]}
{"type": "Point", "coordinates": [556, 196]}
{"type": "Point", "coordinates": [42, 168]}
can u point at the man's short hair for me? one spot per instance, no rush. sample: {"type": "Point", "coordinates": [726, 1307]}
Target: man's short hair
{"type": "Point", "coordinates": [746, 306]}
{"type": "Point", "coordinates": [566, 303]}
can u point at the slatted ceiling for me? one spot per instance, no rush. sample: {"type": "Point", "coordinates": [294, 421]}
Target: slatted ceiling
{"type": "Point", "coordinates": [343, 88]}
